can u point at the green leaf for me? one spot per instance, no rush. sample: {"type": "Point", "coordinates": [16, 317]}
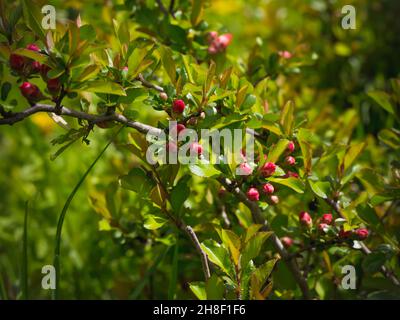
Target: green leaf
{"type": "Point", "coordinates": [197, 12]}
{"type": "Point", "coordinates": [5, 90]}
{"type": "Point", "coordinates": [287, 118]}
{"type": "Point", "coordinates": [382, 99]}
{"type": "Point", "coordinates": [373, 261]}
{"type": "Point", "coordinates": [32, 55]}
{"type": "Point", "coordinates": [321, 188]}
{"type": "Point", "coordinates": [204, 170]}
{"type": "Point", "coordinates": [199, 290]}
{"type": "Point", "coordinates": [215, 288]}
{"type": "Point", "coordinates": [32, 16]}
{"type": "Point", "coordinates": [252, 248]}
{"type": "Point", "coordinates": [137, 181]}
{"type": "Point", "coordinates": [232, 242]}
{"type": "Point", "coordinates": [153, 222]}
{"type": "Point", "coordinates": [293, 183]}
{"type": "Point", "coordinates": [99, 86]}
{"type": "Point", "coordinates": [218, 255]}
{"type": "Point", "coordinates": [352, 153]}
{"type": "Point", "coordinates": [168, 63]}
{"type": "Point", "coordinates": [303, 137]}
{"type": "Point", "coordinates": [180, 193]}
{"type": "Point", "coordinates": [386, 195]}
{"type": "Point", "coordinates": [277, 150]}
{"type": "Point", "coordinates": [390, 137]}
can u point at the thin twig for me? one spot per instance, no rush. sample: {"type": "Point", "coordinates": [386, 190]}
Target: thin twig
{"type": "Point", "coordinates": [148, 84]}
{"type": "Point", "coordinates": [162, 7]}
{"type": "Point", "coordinates": [203, 255]}
{"type": "Point", "coordinates": [259, 219]}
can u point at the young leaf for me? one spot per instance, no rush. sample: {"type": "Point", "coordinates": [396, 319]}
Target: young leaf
{"type": "Point", "coordinates": [277, 150]}
{"type": "Point", "coordinates": [199, 290]}
{"type": "Point", "coordinates": [293, 183]}
{"type": "Point", "coordinates": [287, 118]}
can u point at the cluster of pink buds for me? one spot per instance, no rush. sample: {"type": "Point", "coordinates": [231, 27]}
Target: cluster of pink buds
{"type": "Point", "coordinates": [218, 43]}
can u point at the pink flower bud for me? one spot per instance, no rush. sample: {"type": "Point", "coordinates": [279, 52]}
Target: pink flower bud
{"type": "Point", "coordinates": [361, 233]}
{"type": "Point", "coordinates": [322, 227]}
{"type": "Point", "coordinates": [253, 194]}
{"type": "Point", "coordinates": [268, 188]}
{"type": "Point", "coordinates": [305, 219]}
{"type": "Point", "coordinates": [196, 148]}
{"type": "Point", "coordinates": [327, 218]}
{"type": "Point", "coordinates": [245, 169]}
{"type": "Point", "coordinates": [274, 200]}
{"type": "Point", "coordinates": [290, 160]}
{"type": "Point", "coordinates": [268, 169]}
{"type": "Point", "coordinates": [285, 54]}
{"type": "Point", "coordinates": [287, 241]}
{"type": "Point", "coordinates": [290, 146]}
{"type": "Point", "coordinates": [224, 40]}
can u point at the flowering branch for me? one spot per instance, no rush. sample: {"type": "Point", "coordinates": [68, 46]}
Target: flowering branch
{"type": "Point", "coordinates": [388, 273]}
{"type": "Point", "coordinates": [259, 219]}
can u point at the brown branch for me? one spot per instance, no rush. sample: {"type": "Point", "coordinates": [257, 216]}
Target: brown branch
{"type": "Point", "coordinates": [388, 273]}
{"type": "Point", "coordinates": [259, 219]}
{"type": "Point", "coordinates": [203, 255]}
{"type": "Point", "coordinates": [11, 118]}
{"type": "Point", "coordinates": [148, 84]}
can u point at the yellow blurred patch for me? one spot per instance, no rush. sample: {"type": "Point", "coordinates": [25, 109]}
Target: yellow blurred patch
{"type": "Point", "coordinates": [223, 7]}
{"type": "Point", "coordinates": [44, 122]}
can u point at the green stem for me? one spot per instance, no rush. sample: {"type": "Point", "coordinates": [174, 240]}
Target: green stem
{"type": "Point", "coordinates": [64, 212]}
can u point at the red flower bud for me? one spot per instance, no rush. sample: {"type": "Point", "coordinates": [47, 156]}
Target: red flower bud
{"type": "Point", "coordinates": [290, 160]}
{"type": "Point", "coordinates": [253, 194]}
{"type": "Point", "coordinates": [268, 169]}
{"type": "Point", "coordinates": [245, 169]}
{"type": "Point", "coordinates": [178, 106]}
{"type": "Point", "coordinates": [361, 233]}
{"type": "Point", "coordinates": [287, 241]}
{"type": "Point", "coordinates": [54, 86]}
{"type": "Point", "coordinates": [268, 188]}
{"type": "Point", "coordinates": [305, 219]}
{"type": "Point", "coordinates": [196, 148]}
{"type": "Point", "coordinates": [290, 146]}
{"type": "Point", "coordinates": [30, 92]}
{"type": "Point", "coordinates": [17, 62]}
{"type": "Point", "coordinates": [33, 47]}
{"type": "Point", "coordinates": [327, 218]}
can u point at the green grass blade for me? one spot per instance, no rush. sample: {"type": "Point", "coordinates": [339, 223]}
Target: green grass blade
{"type": "Point", "coordinates": [174, 274]}
{"type": "Point", "coordinates": [24, 271]}
{"type": "Point", "coordinates": [147, 275]}
{"type": "Point", "coordinates": [64, 211]}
